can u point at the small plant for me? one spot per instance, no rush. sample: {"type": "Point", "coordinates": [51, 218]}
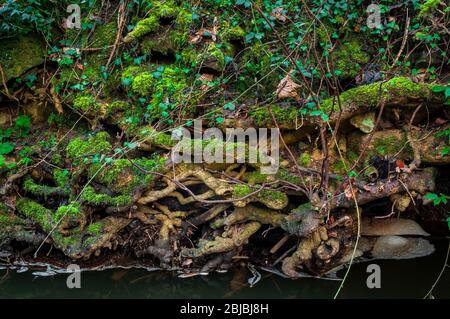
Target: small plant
{"type": "Point", "coordinates": [22, 126]}
{"type": "Point", "coordinates": [437, 199]}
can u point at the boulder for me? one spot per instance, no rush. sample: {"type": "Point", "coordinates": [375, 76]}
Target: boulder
{"type": "Point", "coordinates": [19, 54]}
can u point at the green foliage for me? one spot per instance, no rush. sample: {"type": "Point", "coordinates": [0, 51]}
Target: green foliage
{"type": "Point", "coordinates": [6, 148]}
{"type": "Point", "coordinates": [22, 126]}
{"type": "Point", "coordinates": [437, 199]}
{"type": "Point", "coordinates": [80, 148]}
{"type": "Point", "coordinates": [444, 90]}
{"type": "Point", "coordinates": [21, 17]}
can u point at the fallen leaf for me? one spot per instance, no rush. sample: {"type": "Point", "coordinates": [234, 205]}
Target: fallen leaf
{"type": "Point", "coordinates": [278, 14]}
{"type": "Point", "coordinates": [205, 78]}
{"type": "Point", "coordinates": [348, 192]}
{"type": "Point", "coordinates": [196, 38]}
{"type": "Point", "coordinates": [440, 121]}
{"type": "Point", "coordinates": [400, 164]}
{"type": "Point", "coordinates": [287, 88]}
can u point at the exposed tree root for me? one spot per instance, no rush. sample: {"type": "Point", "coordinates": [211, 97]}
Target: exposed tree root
{"type": "Point", "coordinates": [304, 252]}
{"type": "Point", "coordinates": [232, 238]}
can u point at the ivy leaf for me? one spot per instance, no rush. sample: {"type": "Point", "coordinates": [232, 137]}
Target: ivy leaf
{"type": "Point", "coordinates": [353, 174]}
{"type": "Point", "coordinates": [6, 148]}
{"type": "Point", "coordinates": [127, 81]}
{"type": "Point", "coordinates": [438, 88]}
{"type": "Point", "coordinates": [325, 117]}
{"type": "Point", "coordinates": [431, 196]}
{"type": "Point", "coordinates": [229, 106]}
{"type": "Point", "coordinates": [447, 92]}
{"type": "Point", "coordinates": [22, 125]}
{"type": "Point", "coordinates": [220, 120]}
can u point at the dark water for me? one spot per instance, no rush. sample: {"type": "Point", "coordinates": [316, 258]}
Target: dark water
{"type": "Point", "coordinates": [399, 279]}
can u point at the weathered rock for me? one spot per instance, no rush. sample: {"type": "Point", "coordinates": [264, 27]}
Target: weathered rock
{"type": "Point", "coordinates": [364, 122]}
{"type": "Point", "coordinates": [20, 54]}
{"type": "Point", "coordinates": [302, 221]}
{"type": "Point", "coordinates": [394, 142]}
{"type": "Point", "coordinates": [5, 117]}
{"type": "Point", "coordinates": [397, 247]}
{"type": "Point", "coordinates": [401, 201]}
{"type": "Point", "coordinates": [390, 227]}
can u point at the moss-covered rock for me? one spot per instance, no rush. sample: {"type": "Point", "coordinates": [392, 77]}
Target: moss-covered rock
{"type": "Point", "coordinates": [79, 147]}
{"type": "Point", "coordinates": [91, 197]}
{"type": "Point", "coordinates": [349, 58]}
{"type": "Point", "coordinates": [398, 90]}
{"type": "Point", "coordinates": [365, 122]}
{"type": "Point", "coordinates": [270, 198]}
{"type": "Point", "coordinates": [20, 54]}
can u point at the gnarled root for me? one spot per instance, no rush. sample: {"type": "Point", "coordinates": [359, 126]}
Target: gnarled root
{"type": "Point", "coordinates": [207, 216]}
{"type": "Point", "coordinates": [235, 237]}
{"type": "Point", "coordinates": [161, 250]}
{"type": "Point", "coordinates": [328, 249]}
{"type": "Point", "coordinates": [183, 171]}
{"type": "Point", "coordinates": [250, 213]}
{"type": "Point", "coordinates": [304, 252]}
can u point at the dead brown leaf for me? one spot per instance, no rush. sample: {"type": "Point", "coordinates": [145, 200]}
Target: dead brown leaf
{"type": "Point", "coordinates": [278, 14]}
{"type": "Point", "coordinates": [205, 78]}
{"type": "Point", "coordinates": [287, 88]}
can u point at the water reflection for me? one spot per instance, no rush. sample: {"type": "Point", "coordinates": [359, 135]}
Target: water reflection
{"type": "Point", "coordinates": [400, 278]}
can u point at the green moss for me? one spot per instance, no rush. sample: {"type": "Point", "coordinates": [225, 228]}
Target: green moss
{"type": "Point", "coordinates": [3, 207]}
{"type": "Point", "coordinates": [19, 54]}
{"type": "Point", "coordinates": [265, 196]}
{"type": "Point", "coordinates": [283, 115]}
{"type": "Point", "coordinates": [142, 28]}
{"type": "Point", "coordinates": [257, 178]}
{"type": "Point", "coordinates": [122, 177]}
{"type": "Point", "coordinates": [36, 212]}
{"type": "Point", "coordinates": [43, 190]}
{"type": "Point", "coordinates": [338, 166]}
{"type": "Point", "coordinates": [68, 211]}
{"type": "Point", "coordinates": [233, 33]}
{"type": "Point", "coordinates": [304, 159]}
{"type": "Point", "coordinates": [90, 196]}
{"type": "Point", "coordinates": [158, 10]}
{"type": "Point", "coordinates": [61, 177]}
{"type": "Point", "coordinates": [428, 6]}
{"type": "Point", "coordinates": [371, 94]}
{"type": "Point", "coordinates": [56, 159]}
{"type": "Point", "coordinates": [285, 175]}
{"type": "Point", "coordinates": [391, 145]}
{"type": "Point", "coordinates": [152, 136]}
{"type": "Point", "coordinates": [103, 35]}
{"type": "Point", "coordinates": [169, 93]}
{"type": "Point", "coordinates": [131, 71]}
{"type": "Point", "coordinates": [213, 58]}
{"type": "Point", "coordinates": [9, 220]}
{"type": "Point", "coordinates": [117, 106]}
{"type": "Point", "coordinates": [110, 173]}
{"type": "Point", "coordinates": [143, 84]}
{"type": "Point", "coordinates": [95, 228]}
{"type": "Point", "coordinates": [96, 144]}
{"type": "Point", "coordinates": [85, 103]}
{"type": "Point", "coordinates": [348, 58]}
{"type": "Point", "coordinates": [164, 41]}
